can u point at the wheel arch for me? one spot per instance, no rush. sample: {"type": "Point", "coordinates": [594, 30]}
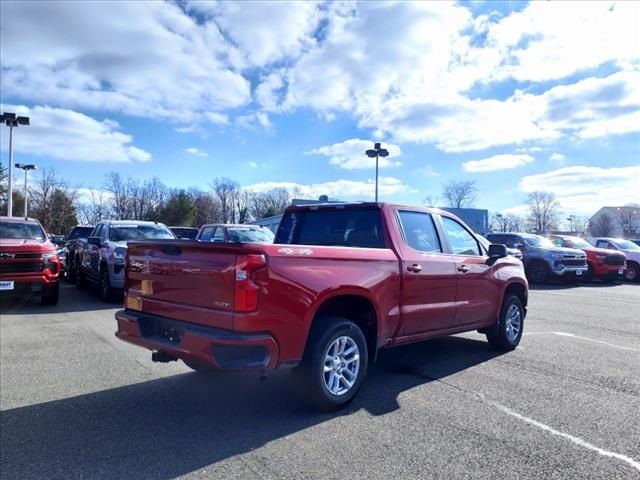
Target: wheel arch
{"type": "Point", "coordinates": [355, 306]}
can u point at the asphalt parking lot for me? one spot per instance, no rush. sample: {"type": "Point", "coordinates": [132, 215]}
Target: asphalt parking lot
{"type": "Point", "coordinates": [77, 403]}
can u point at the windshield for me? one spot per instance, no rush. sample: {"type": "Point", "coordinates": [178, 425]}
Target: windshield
{"type": "Point", "coordinates": [626, 245]}
{"type": "Point", "coordinates": [80, 232]}
{"type": "Point", "coordinates": [21, 230]}
{"type": "Point", "coordinates": [242, 235]}
{"type": "Point", "coordinates": [185, 233]}
{"type": "Point", "coordinates": [576, 242]}
{"type": "Point", "coordinates": [535, 241]}
{"type": "Point", "coordinates": [124, 233]}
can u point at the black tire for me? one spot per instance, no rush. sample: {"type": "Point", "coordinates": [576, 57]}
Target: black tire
{"type": "Point", "coordinates": [51, 296]}
{"type": "Point", "coordinates": [632, 273]}
{"type": "Point", "coordinates": [499, 336]}
{"type": "Point", "coordinates": [310, 374]}
{"type": "Point", "coordinates": [71, 272]}
{"type": "Point", "coordinates": [588, 276]}
{"type": "Point", "coordinates": [538, 272]}
{"type": "Point", "coordinates": [81, 281]}
{"type": "Point", "coordinates": [107, 292]}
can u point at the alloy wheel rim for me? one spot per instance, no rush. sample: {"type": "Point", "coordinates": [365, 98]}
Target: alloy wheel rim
{"type": "Point", "coordinates": [513, 323]}
{"type": "Point", "coordinates": [341, 365]}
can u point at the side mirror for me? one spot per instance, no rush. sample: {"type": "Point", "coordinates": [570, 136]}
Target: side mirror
{"type": "Point", "coordinates": [497, 251]}
{"type": "Point", "coordinates": [94, 241]}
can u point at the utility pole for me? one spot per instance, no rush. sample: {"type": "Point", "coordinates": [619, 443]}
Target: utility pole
{"type": "Point", "coordinates": [26, 167]}
{"type": "Point", "coordinates": [11, 120]}
{"type": "Point", "coordinates": [376, 153]}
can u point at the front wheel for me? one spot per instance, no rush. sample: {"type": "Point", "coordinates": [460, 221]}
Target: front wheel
{"type": "Point", "coordinates": [539, 272]}
{"type": "Point", "coordinates": [106, 290]}
{"type": "Point", "coordinates": [334, 363]}
{"type": "Point", "coordinates": [505, 335]}
{"type": "Point", "coordinates": [51, 297]}
{"type": "Point", "coordinates": [632, 273]}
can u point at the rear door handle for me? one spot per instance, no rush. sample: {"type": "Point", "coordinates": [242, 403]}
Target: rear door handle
{"type": "Point", "coordinates": [463, 268]}
{"type": "Point", "coordinates": [414, 268]}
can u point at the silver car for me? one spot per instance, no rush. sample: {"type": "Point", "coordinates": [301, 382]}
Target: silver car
{"type": "Point", "coordinates": [101, 258]}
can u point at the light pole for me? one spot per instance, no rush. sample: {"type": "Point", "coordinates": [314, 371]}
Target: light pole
{"type": "Point", "coordinates": [570, 219]}
{"type": "Point", "coordinates": [11, 120]}
{"type": "Point", "coordinates": [499, 217]}
{"type": "Point", "coordinates": [26, 167]}
{"type": "Point", "coordinates": [376, 153]}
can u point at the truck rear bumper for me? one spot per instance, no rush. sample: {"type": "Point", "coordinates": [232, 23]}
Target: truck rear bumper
{"type": "Point", "coordinates": [221, 349]}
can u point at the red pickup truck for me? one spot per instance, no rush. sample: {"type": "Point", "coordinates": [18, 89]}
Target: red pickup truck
{"type": "Point", "coordinates": [341, 282]}
{"type": "Point", "coordinates": [29, 264]}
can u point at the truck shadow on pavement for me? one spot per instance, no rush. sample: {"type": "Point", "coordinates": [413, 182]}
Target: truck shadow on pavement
{"type": "Point", "coordinates": [574, 285]}
{"type": "Point", "coordinates": [168, 427]}
{"type": "Point", "coordinates": [71, 300]}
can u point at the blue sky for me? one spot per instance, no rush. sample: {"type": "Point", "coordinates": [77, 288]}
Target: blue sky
{"type": "Point", "coordinates": [517, 96]}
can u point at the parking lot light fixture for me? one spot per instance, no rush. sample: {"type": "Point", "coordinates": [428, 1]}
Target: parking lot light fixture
{"type": "Point", "coordinates": [376, 153]}
{"type": "Point", "coordinates": [26, 167]}
{"type": "Point", "coordinates": [12, 120]}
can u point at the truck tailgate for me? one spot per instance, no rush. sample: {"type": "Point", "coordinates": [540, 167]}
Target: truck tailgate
{"type": "Point", "coordinates": [185, 280]}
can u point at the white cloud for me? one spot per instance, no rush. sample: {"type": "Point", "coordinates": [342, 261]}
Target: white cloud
{"type": "Point", "coordinates": [583, 190]}
{"type": "Point", "coordinates": [549, 40]}
{"type": "Point", "coordinates": [340, 189]}
{"type": "Point", "coordinates": [497, 162]}
{"type": "Point", "coordinates": [253, 164]}
{"type": "Point", "coordinates": [197, 152]}
{"type": "Point", "coordinates": [69, 135]}
{"type": "Point", "coordinates": [162, 65]}
{"type": "Point", "coordinates": [351, 155]}
{"type": "Point", "coordinates": [263, 31]}
{"type": "Point", "coordinates": [557, 157]}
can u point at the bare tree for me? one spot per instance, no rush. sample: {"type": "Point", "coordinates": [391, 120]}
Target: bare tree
{"type": "Point", "coordinates": [544, 210]}
{"type": "Point", "coordinates": [51, 201]}
{"type": "Point", "coordinates": [270, 203]}
{"type": "Point", "coordinates": [207, 207]}
{"type": "Point", "coordinates": [460, 194]}
{"type": "Point", "coordinates": [118, 188]}
{"type": "Point", "coordinates": [225, 190]}
{"type": "Point", "coordinates": [95, 210]}
{"type": "Point", "coordinates": [432, 200]}
{"type": "Point", "coordinates": [602, 226]}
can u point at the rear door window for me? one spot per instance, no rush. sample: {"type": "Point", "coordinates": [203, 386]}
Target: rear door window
{"type": "Point", "coordinates": [419, 231]}
{"type": "Point", "coordinates": [218, 236]}
{"type": "Point", "coordinates": [345, 227]}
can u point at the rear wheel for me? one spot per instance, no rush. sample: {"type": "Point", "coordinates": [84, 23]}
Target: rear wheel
{"type": "Point", "coordinates": [51, 296]}
{"type": "Point", "coordinates": [539, 272]}
{"type": "Point", "coordinates": [334, 363]}
{"type": "Point", "coordinates": [505, 335]}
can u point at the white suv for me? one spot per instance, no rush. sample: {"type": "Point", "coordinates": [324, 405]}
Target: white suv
{"type": "Point", "coordinates": [630, 250]}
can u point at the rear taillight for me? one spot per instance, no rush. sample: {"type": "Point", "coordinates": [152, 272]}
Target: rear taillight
{"type": "Point", "coordinates": [246, 291]}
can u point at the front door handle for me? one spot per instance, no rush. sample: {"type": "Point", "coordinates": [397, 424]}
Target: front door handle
{"type": "Point", "coordinates": [414, 268]}
{"type": "Point", "coordinates": [463, 268]}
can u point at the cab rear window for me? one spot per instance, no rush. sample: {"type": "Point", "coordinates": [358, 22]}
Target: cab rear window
{"type": "Point", "coordinates": [356, 227]}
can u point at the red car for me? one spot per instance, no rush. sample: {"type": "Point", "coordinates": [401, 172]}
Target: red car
{"type": "Point", "coordinates": [341, 282]}
{"type": "Point", "coordinates": [607, 265]}
{"type": "Point", "coordinates": [29, 264]}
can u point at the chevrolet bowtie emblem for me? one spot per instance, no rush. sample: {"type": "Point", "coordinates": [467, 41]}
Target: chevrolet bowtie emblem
{"type": "Point", "coordinates": [5, 256]}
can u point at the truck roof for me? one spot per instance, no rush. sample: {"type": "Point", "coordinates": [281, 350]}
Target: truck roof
{"type": "Point", "coordinates": [18, 219]}
{"type": "Point", "coordinates": [340, 205]}
{"type": "Point", "coordinates": [130, 222]}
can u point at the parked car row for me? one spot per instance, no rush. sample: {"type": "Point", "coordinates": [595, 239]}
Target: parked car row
{"type": "Point", "coordinates": [565, 257]}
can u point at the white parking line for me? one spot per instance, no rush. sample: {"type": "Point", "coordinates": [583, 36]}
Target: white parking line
{"type": "Point", "coordinates": [576, 440]}
{"type": "Point", "coordinates": [579, 337]}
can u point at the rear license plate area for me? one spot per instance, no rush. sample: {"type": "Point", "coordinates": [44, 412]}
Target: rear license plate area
{"type": "Point", "coordinates": [160, 329]}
